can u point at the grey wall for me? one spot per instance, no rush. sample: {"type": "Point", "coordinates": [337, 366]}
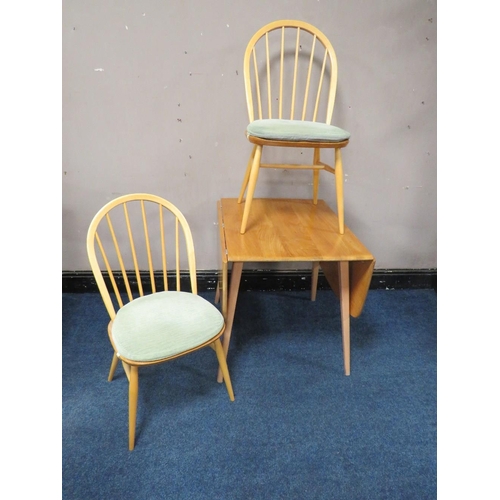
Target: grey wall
{"type": "Point", "coordinates": [153, 100]}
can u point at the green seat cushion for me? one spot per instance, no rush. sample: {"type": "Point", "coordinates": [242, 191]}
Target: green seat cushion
{"type": "Point", "coordinates": [164, 324]}
{"type": "Point", "coordinates": [296, 130]}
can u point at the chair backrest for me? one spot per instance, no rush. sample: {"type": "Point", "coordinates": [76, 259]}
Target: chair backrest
{"type": "Point", "coordinates": [127, 244]}
{"type": "Point", "coordinates": [290, 71]}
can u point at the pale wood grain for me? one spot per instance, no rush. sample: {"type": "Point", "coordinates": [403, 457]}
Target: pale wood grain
{"type": "Point", "coordinates": [295, 230]}
{"type": "Point", "coordinates": [281, 229]}
{"type": "Point", "coordinates": [256, 92]}
{"type": "Point", "coordinates": [117, 214]}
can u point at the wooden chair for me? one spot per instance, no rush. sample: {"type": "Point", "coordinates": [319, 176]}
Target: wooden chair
{"type": "Point", "coordinates": [149, 323]}
{"type": "Point", "coordinates": [290, 72]}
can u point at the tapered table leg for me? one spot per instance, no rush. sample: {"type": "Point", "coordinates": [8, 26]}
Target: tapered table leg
{"type": "Point", "coordinates": [344, 314]}
{"type": "Point", "coordinates": [231, 306]}
{"type": "Point", "coordinates": [314, 280]}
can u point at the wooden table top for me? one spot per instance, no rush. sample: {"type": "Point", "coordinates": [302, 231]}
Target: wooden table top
{"type": "Point", "coordinates": [286, 230]}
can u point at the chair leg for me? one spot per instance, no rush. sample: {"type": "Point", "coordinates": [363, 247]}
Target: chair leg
{"type": "Point", "coordinates": [316, 160]}
{"type": "Point", "coordinates": [247, 175]}
{"type": "Point", "coordinates": [315, 186]}
{"type": "Point", "coordinates": [339, 186]}
{"type": "Point", "coordinates": [114, 363]}
{"type": "Point", "coordinates": [252, 182]}
{"type": "Point", "coordinates": [133, 391]}
{"type": "Point", "coordinates": [223, 366]}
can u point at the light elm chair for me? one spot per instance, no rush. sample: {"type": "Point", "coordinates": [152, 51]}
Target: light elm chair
{"type": "Point", "coordinates": [151, 319]}
{"type": "Point", "coordinates": [290, 72]}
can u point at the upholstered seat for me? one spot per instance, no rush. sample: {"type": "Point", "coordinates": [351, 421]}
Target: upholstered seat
{"type": "Point", "coordinates": [296, 130]}
{"type": "Point", "coordinates": [164, 324]}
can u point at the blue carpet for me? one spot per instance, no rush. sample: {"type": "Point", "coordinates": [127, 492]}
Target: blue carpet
{"type": "Point", "coordinates": [298, 429]}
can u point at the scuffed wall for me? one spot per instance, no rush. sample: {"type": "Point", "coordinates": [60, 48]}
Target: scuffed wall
{"type": "Point", "coordinates": [153, 100]}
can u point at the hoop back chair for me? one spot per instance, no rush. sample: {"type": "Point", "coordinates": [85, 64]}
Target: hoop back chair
{"type": "Point", "coordinates": [290, 73]}
{"type": "Point", "coordinates": [151, 319]}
